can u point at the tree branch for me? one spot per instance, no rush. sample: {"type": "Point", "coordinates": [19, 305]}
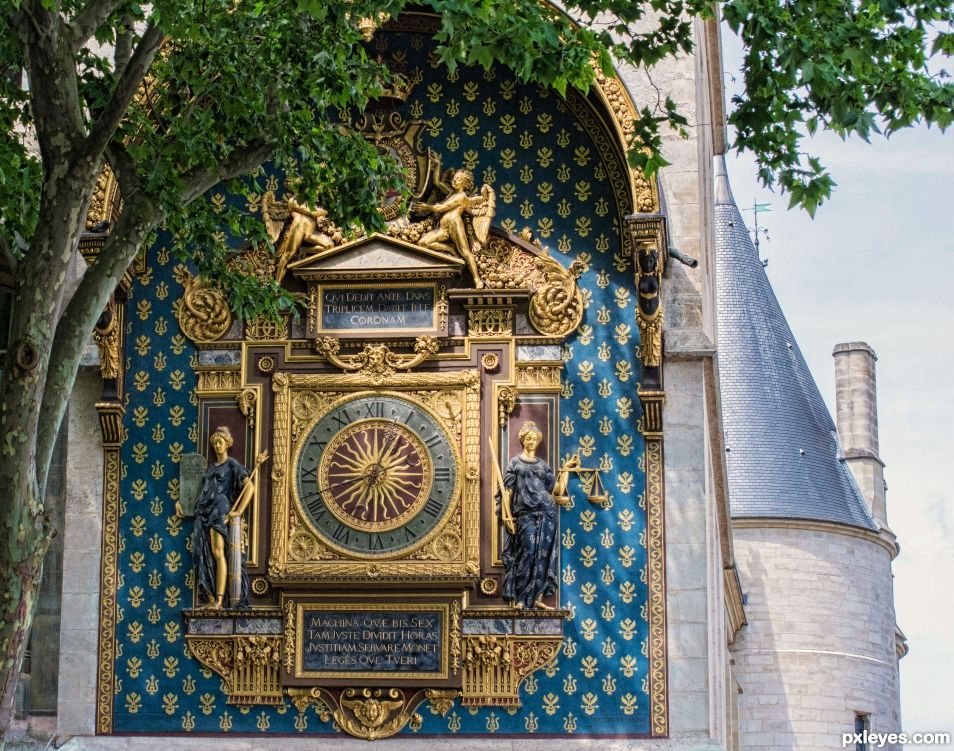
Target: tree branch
{"type": "Point", "coordinates": [124, 40]}
{"type": "Point", "coordinates": [87, 20]}
{"type": "Point", "coordinates": [7, 257]}
{"type": "Point", "coordinates": [126, 88]}
{"type": "Point", "coordinates": [54, 94]}
{"type": "Point", "coordinates": [138, 219]}
{"type": "Point", "coordinates": [239, 162]}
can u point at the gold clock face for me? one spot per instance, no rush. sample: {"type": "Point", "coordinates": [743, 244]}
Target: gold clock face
{"type": "Point", "coordinates": [376, 475]}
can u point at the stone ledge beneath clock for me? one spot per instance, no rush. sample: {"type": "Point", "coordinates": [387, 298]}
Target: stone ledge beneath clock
{"type": "Point", "coordinates": [516, 622]}
{"type": "Point", "coordinates": [226, 622]}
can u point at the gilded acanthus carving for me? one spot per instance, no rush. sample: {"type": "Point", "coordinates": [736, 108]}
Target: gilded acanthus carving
{"type": "Point", "coordinates": [104, 203]}
{"type": "Point", "coordinates": [496, 665]}
{"type": "Point", "coordinates": [506, 401]}
{"type": "Point", "coordinates": [263, 329]}
{"type": "Point", "coordinates": [302, 698]}
{"type": "Point", "coordinates": [455, 639]}
{"type": "Point", "coordinates": [290, 636]}
{"type": "Point", "coordinates": [649, 308]}
{"type": "Point", "coordinates": [540, 376]}
{"type": "Point", "coordinates": [441, 701]}
{"type": "Point", "coordinates": [556, 304]}
{"type": "Point", "coordinates": [246, 403]}
{"type": "Point", "coordinates": [556, 307]}
{"type": "Point", "coordinates": [217, 654]}
{"type": "Point", "coordinates": [256, 675]}
{"type": "Point", "coordinates": [219, 381]}
{"type": "Point", "coordinates": [371, 713]}
{"type": "Point", "coordinates": [106, 335]}
{"type": "Point", "coordinates": [376, 361]}
{"type": "Point", "coordinates": [645, 196]}
{"type": "Point", "coordinates": [490, 322]}
{"type": "Point", "coordinates": [249, 665]}
{"type": "Point", "coordinates": [204, 313]}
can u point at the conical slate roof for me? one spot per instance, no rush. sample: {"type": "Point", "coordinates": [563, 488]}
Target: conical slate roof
{"type": "Point", "coordinates": [783, 455]}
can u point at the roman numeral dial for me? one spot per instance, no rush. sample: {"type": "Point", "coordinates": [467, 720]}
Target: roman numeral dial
{"type": "Point", "coordinates": [376, 475]}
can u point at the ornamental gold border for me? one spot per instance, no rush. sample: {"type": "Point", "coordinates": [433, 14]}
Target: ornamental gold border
{"type": "Point", "coordinates": [355, 385]}
{"type": "Point", "coordinates": [440, 299]}
{"type": "Point", "coordinates": [110, 417]}
{"type": "Point", "coordinates": [656, 570]}
{"type": "Point", "coordinates": [443, 607]}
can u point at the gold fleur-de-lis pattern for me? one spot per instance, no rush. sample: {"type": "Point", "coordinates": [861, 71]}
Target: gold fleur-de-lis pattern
{"type": "Point", "coordinates": [555, 171]}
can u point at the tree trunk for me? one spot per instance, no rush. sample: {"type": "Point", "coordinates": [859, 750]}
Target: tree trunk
{"type": "Point", "coordinates": [26, 535]}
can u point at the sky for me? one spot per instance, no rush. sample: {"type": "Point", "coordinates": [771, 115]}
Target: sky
{"type": "Point", "coordinates": [877, 265]}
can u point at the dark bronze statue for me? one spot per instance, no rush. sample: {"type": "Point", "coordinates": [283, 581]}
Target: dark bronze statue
{"type": "Point", "coordinates": [529, 514]}
{"type": "Point", "coordinates": [227, 490]}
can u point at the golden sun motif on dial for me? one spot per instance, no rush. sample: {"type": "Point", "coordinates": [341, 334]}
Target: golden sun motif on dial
{"type": "Point", "coordinates": [376, 475]}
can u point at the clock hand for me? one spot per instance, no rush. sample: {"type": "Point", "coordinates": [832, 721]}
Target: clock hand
{"type": "Point", "coordinates": [326, 488]}
{"type": "Point", "coordinates": [392, 430]}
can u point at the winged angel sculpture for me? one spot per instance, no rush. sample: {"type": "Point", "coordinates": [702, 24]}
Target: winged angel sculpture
{"type": "Point", "coordinates": [464, 218]}
{"type": "Point", "coordinates": [294, 227]}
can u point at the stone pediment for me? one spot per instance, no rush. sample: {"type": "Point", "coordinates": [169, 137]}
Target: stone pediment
{"type": "Point", "coordinates": [380, 257]}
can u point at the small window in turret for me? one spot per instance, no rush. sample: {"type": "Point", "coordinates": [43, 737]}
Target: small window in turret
{"type": "Point", "coordinates": [862, 729]}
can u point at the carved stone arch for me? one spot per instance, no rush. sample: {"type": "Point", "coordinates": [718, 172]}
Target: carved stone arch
{"type": "Point", "coordinates": [612, 94]}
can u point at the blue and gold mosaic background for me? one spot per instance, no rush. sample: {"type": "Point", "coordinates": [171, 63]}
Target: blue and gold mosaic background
{"type": "Point", "coordinates": [550, 164]}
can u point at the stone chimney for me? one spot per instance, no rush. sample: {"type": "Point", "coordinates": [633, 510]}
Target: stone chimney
{"type": "Point", "coordinates": [856, 402]}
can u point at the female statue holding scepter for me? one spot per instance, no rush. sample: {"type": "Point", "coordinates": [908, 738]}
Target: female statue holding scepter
{"type": "Point", "coordinates": [529, 513]}
{"type": "Point", "coordinates": [227, 490]}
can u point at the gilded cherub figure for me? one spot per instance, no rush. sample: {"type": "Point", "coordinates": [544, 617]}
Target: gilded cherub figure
{"type": "Point", "coordinates": [464, 218]}
{"type": "Point", "coordinates": [293, 226]}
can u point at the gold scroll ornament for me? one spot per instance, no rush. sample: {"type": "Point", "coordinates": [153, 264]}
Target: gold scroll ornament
{"type": "Point", "coordinates": [372, 713]}
{"type": "Point", "coordinates": [250, 666]}
{"type": "Point", "coordinates": [556, 304]}
{"type": "Point", "coordinates": [204, 313]}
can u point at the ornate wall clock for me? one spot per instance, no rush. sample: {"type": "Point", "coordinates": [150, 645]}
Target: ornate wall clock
{"type": "Point", "coordinates": [376, 475]}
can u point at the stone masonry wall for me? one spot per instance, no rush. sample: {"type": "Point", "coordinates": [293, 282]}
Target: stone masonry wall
{"type": "Point", "coordinates": [820, 640]}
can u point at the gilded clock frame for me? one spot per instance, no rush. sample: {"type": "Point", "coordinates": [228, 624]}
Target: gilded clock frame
{"type": "Point", "coordinates": [349, 398]}
{"type": "Point", "coordinates": [452, 400]}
